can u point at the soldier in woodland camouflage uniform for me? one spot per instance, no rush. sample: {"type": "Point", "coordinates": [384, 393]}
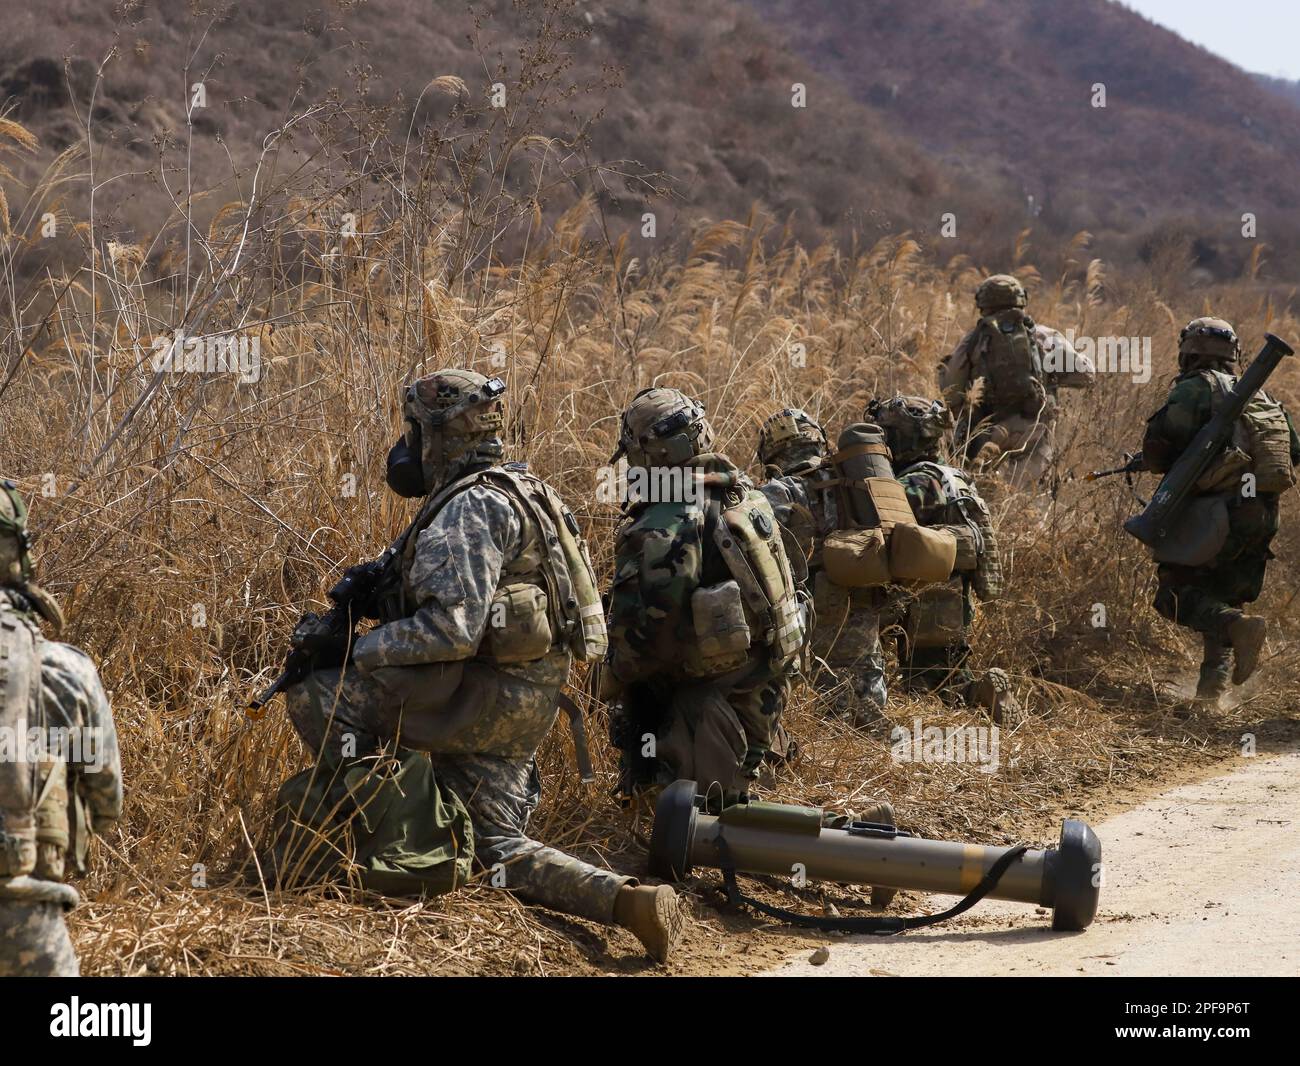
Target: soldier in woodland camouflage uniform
{"type": "Point", "coordinates": [795, 456]}
{"type": "Point", "coordinates": [1001, 384]}
{"type": "Point", "coordinates": [711, 703]}
{"type": "Point", "coordinates": [473, 650]}
{"type": "Point", "coordinates": [1209, 599]}
{"type": "Point", "coordinates": [60, 776]}
{"type": "Point", "coordinates": [933, 648]}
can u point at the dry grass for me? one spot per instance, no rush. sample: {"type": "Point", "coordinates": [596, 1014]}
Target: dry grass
{"type": "Point", "coordinates": [185, 520]}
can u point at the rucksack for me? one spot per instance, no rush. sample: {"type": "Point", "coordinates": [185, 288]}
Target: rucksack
{"type": "Point", "coordinates": [1012, 362]}
{"type": "Point", "coordinates": [967, 515]}
{"type": "Point", "coordinates": [1262, 433]}
{"type": "Point", "coordinates": [33, 783]}
{"type": "Point", "coordinates": [758, 603]}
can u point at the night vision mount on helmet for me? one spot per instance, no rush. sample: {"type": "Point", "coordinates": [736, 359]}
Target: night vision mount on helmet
{"type": "Point", "coordinates": [451, 416]}
{"type": "Point", "coordinates": [663, 427]}
{"type": "Point", "coordinates": [789, 428]}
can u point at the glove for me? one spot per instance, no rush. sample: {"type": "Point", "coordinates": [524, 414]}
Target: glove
{"type": "Point", "coordinates": [325, 649]}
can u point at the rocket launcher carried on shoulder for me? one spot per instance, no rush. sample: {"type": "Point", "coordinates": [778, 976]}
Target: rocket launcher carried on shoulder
{"type": "Point", "coordinates": [1177, 487]}
{"type": "Point", "coordinates": [777, 838]}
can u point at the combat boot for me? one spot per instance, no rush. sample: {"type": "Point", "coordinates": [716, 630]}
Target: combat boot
{"type": "Point", "coordinates": [880, 813]}
{"type": "Point", "coordinates": [653, 914]}
{"type": "Point", "coordinates": [1246, 635]}
{"type": "Point", "coordinates": [993, 693]}
{"type": "Point", "coordinates": [1216, 664]}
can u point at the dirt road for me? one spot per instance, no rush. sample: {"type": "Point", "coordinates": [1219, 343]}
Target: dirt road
{"type": "Point", "coordinates": [1200, 880]}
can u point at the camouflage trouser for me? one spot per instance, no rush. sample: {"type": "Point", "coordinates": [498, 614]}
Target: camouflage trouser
{"type": "Point", "coordinates": [925, 665]}
{"type": "Point", "coordinates": [1028, 448]}
{"type": "Point", "coordinates": [711, 732]}
{"type": "Point", "coordinates": [1208, 599]}
{"type": "Point", "coordinates": [330, 711]}
{"type": "Point", "coordinates": [847, 639]}
{"type": "Point", "coordinates": [34, 941]}
{"type": "Point", "coordinates": [501, 795]}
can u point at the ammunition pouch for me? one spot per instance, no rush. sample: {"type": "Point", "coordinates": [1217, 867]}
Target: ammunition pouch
{"type": "Point", "coordinates": [519, 627]}
{"type": "Point", "coordinates": [722, 631]}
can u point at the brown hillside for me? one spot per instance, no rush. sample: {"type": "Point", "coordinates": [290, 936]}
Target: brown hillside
{"type": "Point", "coordinates": [1003, 90]}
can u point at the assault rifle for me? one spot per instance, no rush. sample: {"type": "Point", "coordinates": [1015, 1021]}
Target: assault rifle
{"type": "Point", "coordinates": [1132, 465]}
{"type": "Point", "coordinates": [1174, 491]}
{"type": "Point", "coordinates": [317, 637]}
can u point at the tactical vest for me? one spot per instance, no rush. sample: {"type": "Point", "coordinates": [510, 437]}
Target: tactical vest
{"type": "Point", "coordinates": [1261, 433]}
{"type": "Point", "coordinates": [33, 781]}
{"type": "Point", "coordinates": [547, 597]}
{"type": "Point", "coordinates": [1008, 358]}
{"type": "Point", "coordinates": [758, 605]}
{"type": "Point", "coordinates": [967, 515]}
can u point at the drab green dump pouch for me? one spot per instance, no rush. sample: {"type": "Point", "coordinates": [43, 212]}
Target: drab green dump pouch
{"type": "Point", "coordinates": [856, 558]}
{"type": "Point", "coordinates": [920, 554]}
{"type": "Point", "coordinates": [936, 618]}
{"type": "Point", "coordinates": [721, 627]}
{"type": "Point", "coordinates": [1199, 536]}
{"type": "Point", "coordinates": [518, 629]}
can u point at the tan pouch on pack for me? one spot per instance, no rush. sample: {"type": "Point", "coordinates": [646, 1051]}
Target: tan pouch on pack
{"type": "Point", "coordinates": [722, 630]}
{"type": "Point", "coordinates": [856, 558]}
{"type": "Point", "coordinates": [518, 629]}
{"type": "Point", "coordinates": [920, 554]}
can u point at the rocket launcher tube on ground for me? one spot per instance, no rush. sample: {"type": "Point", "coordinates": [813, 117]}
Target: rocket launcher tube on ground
{"type": "Point", "coordinates": [771, 838]}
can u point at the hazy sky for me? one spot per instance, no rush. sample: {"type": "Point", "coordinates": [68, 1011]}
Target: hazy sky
{"type": "Point", "coordinates": [1263, 36]}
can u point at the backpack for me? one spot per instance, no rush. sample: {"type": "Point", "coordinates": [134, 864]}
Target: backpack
{"type": "Point", "coordinates": [1012, 362]}
{"type": "Point", "coordinates": [967, 515]}
{"type": "Point", "coordinates": [33, 783]}
{"type": "Point", "coordinates": [758, 603]}
{"type": "Point", "coordinates": [1262, 433]}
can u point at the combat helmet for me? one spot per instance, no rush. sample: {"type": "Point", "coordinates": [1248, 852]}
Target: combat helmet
{"type": "Point", "coordinates": [663, 427]}
{"type": "Point", "coordinates": [453, 419]}
{"type": "Point", "coordinates": [1000, 292]}
{"type": "Point", "coordinates": [914, 426]}
{"type": "Point", "coordinates": [1205, 342]}
{"type": "Point", "coordinates": [16, 569]}
{"type": "Point", "coordinates": [791, 435]}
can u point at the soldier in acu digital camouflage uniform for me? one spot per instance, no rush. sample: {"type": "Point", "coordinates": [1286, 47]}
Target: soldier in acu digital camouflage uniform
{"type": "Point", "coordinates": [795, 455]}
{"type": "Point", "coordinates": [1001, 384]}
{"type": "Point", "coordinates": [494, 592]}
{"type": "Point", "coordinates": [1209, 598]}
{"type": "Point", "coordinates": [705, 623]}
{"type": "Point", "coordinates": [933, 648]}
{"type": "Point", "coordinates": [60, 777]}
